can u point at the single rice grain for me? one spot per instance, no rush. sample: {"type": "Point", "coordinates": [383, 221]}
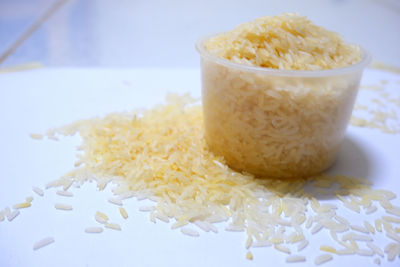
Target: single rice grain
{"type": "Point", "coordinates": [113, 226]}
{"type": "Point", "coordinates": [64, 193]}
{"type": "Point", "coordinates": [189, 232]}
{"type": "Point", "coordinates": [63, 206]}
{"type": "Point", "coordinates": [42, 243]}
{"type": "Point", "coordinates": [322, 259]}
{"type": "Point", "coordinates": [38, 191]}
{"type": "Point", "coordinates": [22, 205]}
{"type": "Point", "coordinates": [12, 215]}
{"type": "Point", "coordinates": [123, 213]}
{"type": "Point", "coordinates": [94, 230]}
{"type": "Point", "coordinates": [295, 258]}
{"type": "Point", "coordinates": [115, 201]}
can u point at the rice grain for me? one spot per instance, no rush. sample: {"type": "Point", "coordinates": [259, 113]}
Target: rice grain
{"type": "Point", "coordinates": [64, 193]}
{"type": "Point", "coordinates": [38, 191]}
{"type": "Point", "coordinates": [94, 230]}
{"type": "Point", "coordinates": [63, 206]}
{"type": "Point", "coordinates": [189, 232]}
{"type": "Point", "coordinates": [115, 201]}
{"type": "Point", "coordinates": [123, 213]}
{"type": "Point", "coordinates": [323, 259]}
{"type": "Point", "coordinates": [42, 243]}
{"type": "Point", "coordinates": [12, 215]}
{"type": "Point", "coordinates": [295, 258]}
{"type": "Point", "coordinates": [113, 226]}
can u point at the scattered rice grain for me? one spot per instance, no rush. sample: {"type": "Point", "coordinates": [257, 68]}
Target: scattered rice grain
{"type": "Point", "coordinates": [113, 226]}
{"type": "Point", "coordinates": [189, 232]}
{"type": "Point", "coordinates": [282, 248]}
{"type": "Point", "coordinates": [42, 243]}
{"type": "Point", "coordinates": [36, 136]}
{"type": "Point", "coordinates": [94, 230]}
{"type": "Point", "coordinates": [295, 258]}
{"type": "Point", "coordinates": [100, 217]}
{"type": "Point", "coordinates": [64, 193]}
{"type": "Point", "coordinates": [63, 207]}
{"type": "Point", "coordinates": [123, 213]}
{"type": "Point", "coordinates": [249, 256]}
{"type": "Point", "coordinates": [328, 249]}
{"type": "Point", "coordinates": [38, 191]}
{"type": "Point", "coordinates": [365, 252]}
{"type": "Point", "coordinates": [22, 205]}
{"type": "Point", "coordinates": [115, 201]}
{"type": "Point", "coordinates": [359, 229]}
{"type": "Point", "coordinates": [323, 258]}
{"type": "Point", "coordinates": [12, 215]}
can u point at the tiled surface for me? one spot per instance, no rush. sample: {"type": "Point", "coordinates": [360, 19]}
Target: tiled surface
{"type": "Point", "coordinates": [155, 33]}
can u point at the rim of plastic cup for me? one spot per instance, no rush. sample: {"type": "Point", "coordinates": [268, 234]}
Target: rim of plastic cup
{"type": "Point", "coordinates": [359, 66]}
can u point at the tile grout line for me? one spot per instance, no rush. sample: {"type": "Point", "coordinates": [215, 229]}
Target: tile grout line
{"type": "Point", "coordinates": [48, 13]}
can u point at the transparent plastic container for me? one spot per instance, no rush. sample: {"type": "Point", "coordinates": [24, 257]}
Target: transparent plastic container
{"type": "Point", "coordinates": [276, 123]}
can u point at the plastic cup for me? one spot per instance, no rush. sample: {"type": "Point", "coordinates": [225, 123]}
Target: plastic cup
{"type": "Point", "coordinates": [276, 123]}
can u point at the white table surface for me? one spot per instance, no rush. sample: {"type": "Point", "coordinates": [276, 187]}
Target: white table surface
{"type": "Point", "coordinates": [34, 101]}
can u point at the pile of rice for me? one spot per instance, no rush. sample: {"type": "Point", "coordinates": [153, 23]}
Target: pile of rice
{"type": "Point", "coordinates": [288, 42]}
{"type": "Point", "coordinates": [272, 125]}
{"type": "Point", "coordinates": [160, 154]}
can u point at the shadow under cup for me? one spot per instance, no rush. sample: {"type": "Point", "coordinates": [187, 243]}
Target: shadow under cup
{"type": "Point", "coordinates": [276, 123]}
